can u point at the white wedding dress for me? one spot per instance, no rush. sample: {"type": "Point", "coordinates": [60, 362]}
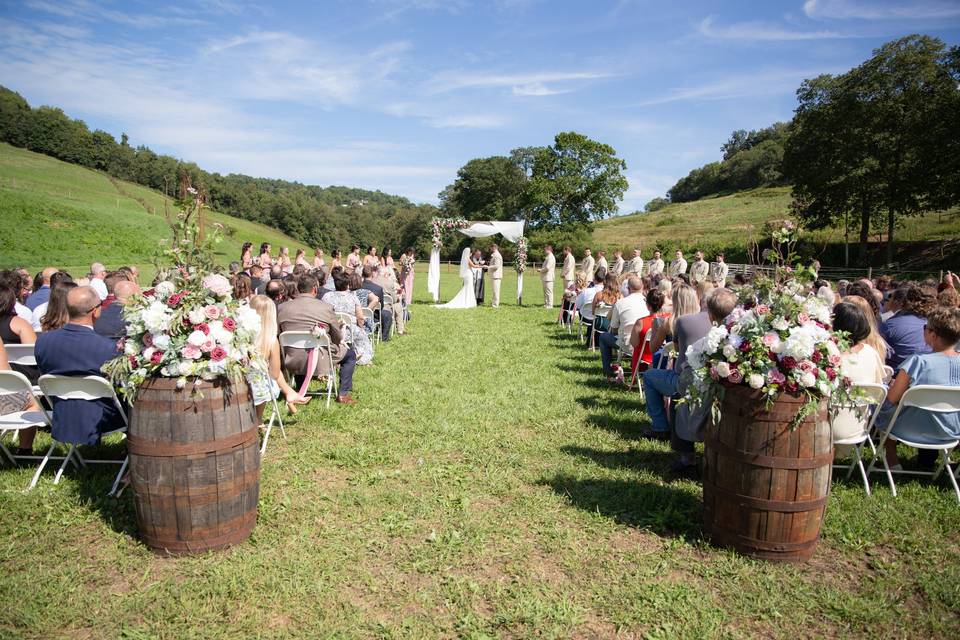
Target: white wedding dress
{"type": "Point", "coordinates": [466, 298]}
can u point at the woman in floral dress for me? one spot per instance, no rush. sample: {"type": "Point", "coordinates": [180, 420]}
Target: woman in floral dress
{"type": "Point", "coordinates": [345, 301]}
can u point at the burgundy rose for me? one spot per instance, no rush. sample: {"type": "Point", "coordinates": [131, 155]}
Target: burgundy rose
{"type": "Point", "coordinates": [745, 346]}
{"type": "Point", "coordinates": [736, 377]}
{"type": "Point", "coordinates": [791, 386]}
{"type": "Point", "coordinates": [218, 354]}
{"type": "Point", "coordinates": [147, 340]}
{"type": "Point", "coordinates": [133, 362]}
{"type": "Point", "coordinates": [203, 326]}
{"type": "Point", "coordinates": [831, 373]}
{"type": "Point", "coordinates": [174, 300]}
{"type": "Point", "coordinates": [229, 324]}
{"type": "Point", "coordinates": [789, 363]}
{"type": "Point", "coordinates": [156, 357]}
{"type": "Point", "coordinates": [816, 357]}
{"type": "Point", "coordinates": [148, 293]}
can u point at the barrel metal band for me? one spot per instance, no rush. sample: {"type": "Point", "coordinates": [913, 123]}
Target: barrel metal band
{"type": "Point", "coordinates": [724, 537]}
{"type": "Point", "coordinates": [176, 546]}
{"type": "Point", "coordinates": [783, 506]}
{"type": "Point", "coordinates": [155, 448]}
{"type": "Point", "coordinates": [774, 462]}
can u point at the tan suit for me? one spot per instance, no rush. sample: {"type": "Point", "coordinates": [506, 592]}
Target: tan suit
{"type": "Point", "coordinates": [589, 267]}
{"type": "Point", "coordinates": [720, 270]}
{"type": "Point", "coordinates": [699, 271]}
{"type": "Point", "coordinates": [617, 267]}
{"type": "Point", "coordinates": [677, 267]}
{"type": "Point", "coordinates": [635, 266]}
{"type": "Point", "coordinates": [602, 264]}
{"type": "Point", "coordinates": [569, 271]}
{"type": "Point", "coordinates": [655, 267]}
{"type": "Point", "coordinates": [303, 314]}
{"type": "Point", "coordinates": [548, 272]}
{"type": "Point", "coordinates": [495, 271]}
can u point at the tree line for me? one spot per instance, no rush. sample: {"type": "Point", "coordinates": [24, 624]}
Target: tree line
{"type": "Point", "coordinates": [317, 216]}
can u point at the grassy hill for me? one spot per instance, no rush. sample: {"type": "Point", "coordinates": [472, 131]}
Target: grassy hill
{"type": "Point", "coordinates": [727, 223]}
{"type": "Point", "coordinates": [55, 213]}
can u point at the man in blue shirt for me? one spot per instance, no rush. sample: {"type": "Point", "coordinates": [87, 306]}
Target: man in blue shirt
{"type": "Point", "coordinates": [42, 294]}
{"type": "Point", "coordinates": [903, 331]}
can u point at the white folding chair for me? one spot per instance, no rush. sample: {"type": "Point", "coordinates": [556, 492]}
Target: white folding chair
{"type": "Point", "coordinates": [637, 376]}
{"type": "Point", "coordinates": [370, 316]}
{"type": "Point", "coordinates": [866, 400]}
{"type": "Point", "coordinates": [599, 314]}
{"type": "Point", "coordinates": [274, 415]}
{"type": "Point", "coordinates": [85, 388]}
{"type": "Point", "coordinates": [23, 355]}
{"type": "Point", "coordinates": [16, 421]}
{"type": "Point", "coordinates": [306, 340]}
{"type": "Point", "coordinates": [387, 303]}
{"type": "Point", "coordinates": [928, 397]}
{"type": "Point", "coordinates": [667, 357]}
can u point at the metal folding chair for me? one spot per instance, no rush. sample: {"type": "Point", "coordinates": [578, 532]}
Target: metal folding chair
{"type": "Point", "coordinates": [16, 421]}
{"type": "Point", "coordinates": [346, 321]}
{"type": "Point", "coordinates": [370, 316]}
{"type": "Point", "coordinates": [866, 402]}
{"type": "Point", "coordinates": [307, 341]}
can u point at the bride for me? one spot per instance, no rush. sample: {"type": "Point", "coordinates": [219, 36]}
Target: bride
{"type": "Point", "coordinates": [466, 298]}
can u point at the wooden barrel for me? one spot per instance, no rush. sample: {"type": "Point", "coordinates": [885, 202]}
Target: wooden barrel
{"type": "Point", "coordinates": [194, 464]}
{"type": "Point", "coordinates": [765, 485]}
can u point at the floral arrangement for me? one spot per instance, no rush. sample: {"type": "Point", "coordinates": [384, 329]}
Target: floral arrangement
{"type": "Point", "coordinates": [188, 326]}
{"type": "Point", "coordinates": [406, 263]}
{"type": "Point", "coordinates": [446, 224]}
{"type": "Point", "coordinates": [520, 258]}
{"type": "Point", "coordinates": [776, 340]}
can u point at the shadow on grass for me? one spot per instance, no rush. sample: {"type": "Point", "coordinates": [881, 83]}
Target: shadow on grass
{"type": "Point", "coordinates": [651, 460]}
{"type": "Point", "coordinates": [663, 509]}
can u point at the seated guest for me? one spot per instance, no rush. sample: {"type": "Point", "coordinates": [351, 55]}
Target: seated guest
{"type": "Point", "coordinates": [904, 331]}
{"type": "Point", "coordinates": [304, 314]}
{"type": "Point", "coordinates": [367, 299]}
{"type": "Point", "coordinates": [874, 339]}
{"type": "Point", "coordinates": [276, 291]}
{"type": "Point", "coordinates": [97, 274]}
{"type": "Point", "coordinates": [893, 304]}
{"type": "Point", "coordinates": [111, 324]}
{"type": "Point", "coordinates": [568, 306]}
{"type": "Point", "coordinates": [345, 301]}
{"type": "Point", "coordinates": [865, 290]}
{"type": "Point", "coordinates": [36, 318]}
{"type": "Point", "coordinates": [242, 287]}
{"type": "Point", "coordinates": [265, 376]}
{"type": "Point", "coordinates": [42, 293]}
{"type": "Point", "coordinates": [76, 350]}
{"type": "Point", "coordinates": [638, 334]}
{"type": "Point", "coordinates": [16, 330]}
{"type": "Point", "coordinates": [608, 296]}
{"type": "Point", "coordinates": [664, 382]}
{"type": "Point", "coordinates": [234, 268]}
{"type": "Point", "coordinates": [940, 366]}
{"type": "Point", "coordinates": [15, 402]}
{"type": "Point", "coordinates": [15, 280]}
{"type": "Point", "coordinates": [57, 313]}
{"type": "Point", "coordinates": [859, 363]}
{"type": "Point", "coordinates": [387, 280]}
{"type": "Point", "coordinates": [623, 317]}
{"type": "Point", "coordinates": [111, 281]}
{"type": "Point", "coordinates": [257, 281]}
{"type": "Point", "coordinates": [291, 287]}
{"type": "Point", "coordinates": [376, 288]}
{"type": "Point", "coordinates": [584, 305]}
{"type": "Point", "coordinates": [685, 302]}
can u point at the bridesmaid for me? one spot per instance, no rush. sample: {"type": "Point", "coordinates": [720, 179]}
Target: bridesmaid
{"type": "Point", "coordinates": [407, 262]}
{"type": "Point", "coordinates": [283, 260]}
{"type": "Point", "coordinates": [353, 260]}
{"type": "Point", "coordinates": [335, 259]}
{"type": "Point", "coordinates": [265, 260]}
{"type": "Point", "coordinates": [318, 260]}
{"type": "Point", "coordinates": [371, 259]}
{"type": "Point", "coordinates": [246, 255]}
{"type": "Point", "coordinates": [386, 258]}
{"type": "Point", "coordinates": [301, 259]}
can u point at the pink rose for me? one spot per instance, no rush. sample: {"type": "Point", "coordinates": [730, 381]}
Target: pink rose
{"type": "Point", "coordinates": [762, 309]}
{"type": "Point", "coordinates": [807, 367]}
{"type": "Point", "coordinates": [714, 374]}
{"type": "Point", "coordinates": [803, 318]}
{"type": "Point", "coordinates": [775, 377]}
{"type": "Point", "coordinates": [147, 340]}
{"type": "Point", "coordinates": [834, 360]}
{"type": "Point", "coordinates": [218, 354]}
{"type": "Point", "coordinates": [157, 357]}
{"type": "Point", "coordinates": [203, 326]}
{"type": "Point", "coordinates": [229, 324]}
{"type": "Point", "coordinates": [133, 362]}
{"type": "Point", "coordinates": [212, 312]}
{"type": "Point", "coordinates": [770, 339]}
{"type": "Point", "coordinates": [190, 352]}
{"type": "Point", "coordinates": [208, 346]}
{"type": "Point", "coordinates": [736, 377]}
{"type": "Point", "coordinates": [816, 357]}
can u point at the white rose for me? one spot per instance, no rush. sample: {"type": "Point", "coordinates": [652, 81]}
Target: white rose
{"type": "Point", "coordinates": [148, 353]}
{"type": "Point", "coordinates": [807, 379]}
{"type": "Point", "coordinates": [248, 319]}
{"type": "Point", "coordinates": [197, 338]}
{"type": "Point", "coordinates": [824, 387]}
{"type": "Point", "coordinates": [131, 348]}
{"type": "Point", "coordinates": [730, 352]}
{"type": "Point", "coordinates": [723, 369]}
{"type": "Point", "coordinates": [755, 380]}
{"type": "Point", "coordinates": [780, 324]}
{"type": "Point", "coordinates": [196, 315]}
{"type": "Point", "coordinates": [161, 341]}
{"type": "Point", "coordinates": [164, 289]}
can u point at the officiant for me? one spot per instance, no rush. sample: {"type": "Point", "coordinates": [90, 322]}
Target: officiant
{"type": "Point", "coordinates": [477, 266]}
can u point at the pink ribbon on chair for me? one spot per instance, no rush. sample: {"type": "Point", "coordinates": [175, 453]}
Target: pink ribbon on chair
{"type": "Point", "coordinates": [311, 368]}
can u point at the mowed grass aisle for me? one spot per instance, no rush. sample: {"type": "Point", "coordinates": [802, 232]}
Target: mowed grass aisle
{"type": "Point", "coordinates": [488, 483]}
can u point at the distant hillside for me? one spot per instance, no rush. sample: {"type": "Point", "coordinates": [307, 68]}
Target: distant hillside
{"type": "Point", "coordinates": [56, 213]}
{"type": "Point", "coordinates": [728, 223]}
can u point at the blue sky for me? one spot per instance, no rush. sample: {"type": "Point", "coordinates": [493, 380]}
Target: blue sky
{"type": "Point", "coordinates": [398, 94]}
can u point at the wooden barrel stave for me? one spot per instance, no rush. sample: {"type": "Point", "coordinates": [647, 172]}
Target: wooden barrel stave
{"type": "Point", "coordinates": [766, 485]}
{"type": "Point", "coordinates": [194, 465]}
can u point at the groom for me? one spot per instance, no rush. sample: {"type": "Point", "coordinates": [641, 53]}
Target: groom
{"type": "Point", "coordinates": [495, 269]}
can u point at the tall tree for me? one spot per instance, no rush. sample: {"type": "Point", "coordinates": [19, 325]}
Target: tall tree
{"type": "Point", "coordinates": [574, 181]}
{"type": "Point", "coordinates": [487, 189]}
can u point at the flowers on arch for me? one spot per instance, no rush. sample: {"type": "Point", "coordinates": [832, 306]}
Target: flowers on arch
{"type": "Point", "coordinates": [520, 258]}
{"type": "Point", "coordinates": [443, 225]}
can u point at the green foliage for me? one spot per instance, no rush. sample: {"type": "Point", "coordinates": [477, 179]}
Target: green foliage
{"type": "Point", "coordinates": [656, 204]}
{"type": "Point", "coordinates": [487, 189]}
{"type": "Point", "coordinates": [315, 216]}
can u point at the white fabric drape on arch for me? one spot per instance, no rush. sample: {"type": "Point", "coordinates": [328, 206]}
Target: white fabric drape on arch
{"type": "Point", "coordinates": [509, 229]}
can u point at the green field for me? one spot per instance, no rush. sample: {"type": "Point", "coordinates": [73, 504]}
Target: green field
{"type": "Point", "coordinates": [487, 484]}
{"type": "Point", "coordinates": [729, 222]}
{"type": "Point", "coordinates": [56, 213]}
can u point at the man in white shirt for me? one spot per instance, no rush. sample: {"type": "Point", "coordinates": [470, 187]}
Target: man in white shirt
{"type": "Point", "coordinates": [678, 266]}
{"type": "Point", "coordinates": [97, 273]}
{"type": "Point", "coordinates": [617, 268]}
{"type": "Point", "coordinates": [655, 266]}
{"type": "Point", "coordinates": [584, 304]}
{"type": "Point", "coordinates": [589, 265]}
{"type": "Point", "coordinates": [623, 316]}
{"type": "Point", "coordinates": [602, 262]}
{"type": "Point", "coordinates": [720, 270]}
{"type": "Point", "coordinates": [700, 269]}
{"type": "Point", "coordinates": [636, 263]}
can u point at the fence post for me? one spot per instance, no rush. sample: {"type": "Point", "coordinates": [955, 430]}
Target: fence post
{"type": "Point", "coordinates": [869, 273]}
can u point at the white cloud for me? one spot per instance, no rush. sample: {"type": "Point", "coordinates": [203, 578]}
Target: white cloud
{"type": "Point", "coordinates": [91, 11]}
{"type": "Point", "coordinates": [761, 83]}
{"type": "Point", "coordinates": [453, 81]}
{"type": "Point", "coordinates": [874, 10]}
{"type": "Point", "coordinates": [537, 89]}
{"type": "Point", "coordinates": [467, 121]}
{"type": "Point", "coordinates": [753, 31]}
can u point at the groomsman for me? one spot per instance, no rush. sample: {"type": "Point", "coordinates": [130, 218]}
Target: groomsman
{"type": "Point", "coordinates": [636, 263]}
{"type": "Point", "coordinates": [569, 271]}
{"type": "Point", "coordinates": [655, 266]}
{"type": "Point", "coordinates": [617, 268]}
{"type": "Point", "coordinates": [495, 269]}
{"type": "Point", "coordinates": [678, 266]}
{"type": "Point", "coordinates": [700, 269]}
{"type": "Point", "coordinates": [720, 270]}
{"type": "Point", "coordinates": [589, 265]}
{"type": "Point", "coordinates": [547, 275]}
{"type": "Point", "coordinates": [602, 261]}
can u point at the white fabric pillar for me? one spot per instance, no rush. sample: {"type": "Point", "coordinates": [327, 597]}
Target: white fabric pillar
{"type": "Point", "coordinates": [433, 275]}
{"type": "Point", "coordinates": [519, 286]}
